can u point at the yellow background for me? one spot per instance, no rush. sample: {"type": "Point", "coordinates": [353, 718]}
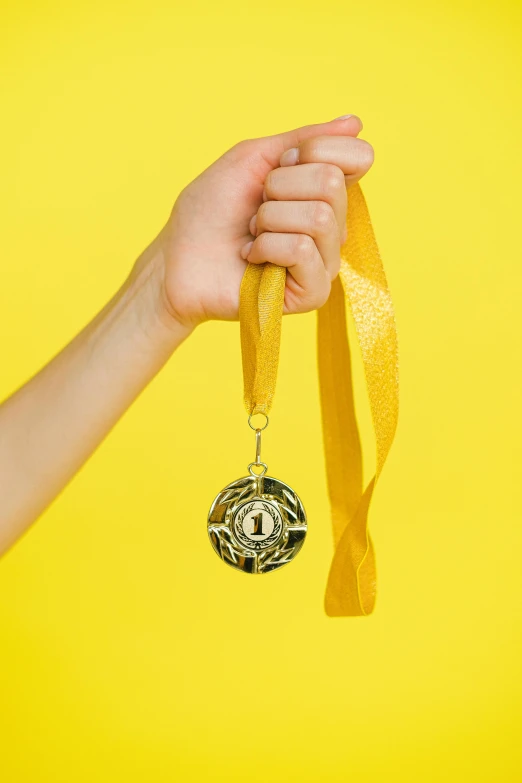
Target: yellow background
{"type": "Point", "coordinates": [128, 651]}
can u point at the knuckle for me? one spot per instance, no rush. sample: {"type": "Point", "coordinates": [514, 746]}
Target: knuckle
{"type": "Point", "coordinates": [366, 155]}
{"type": "Point", "coordinates": [262, 243]}
{"type": "Point", "coordinates": [332, 180]}
{"type": "Point", "coordinates": [241, 149]}
{"type": "Point", "coordinates": [304, 247]}
{"type": "Point", "coordinates": [323, 217]}
{"type": "Point", "coordinates": [244, 144]}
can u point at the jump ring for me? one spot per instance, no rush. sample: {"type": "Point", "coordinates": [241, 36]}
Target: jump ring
{"type": "Point", "coordinates": [258, 428]}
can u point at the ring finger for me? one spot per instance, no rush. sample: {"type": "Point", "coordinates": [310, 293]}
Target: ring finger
{"type": "Point", "coordinates": [308, 284]}
{"type": "Point", "coordinates": [315, 218]}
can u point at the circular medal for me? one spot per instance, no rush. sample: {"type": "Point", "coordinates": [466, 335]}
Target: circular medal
{"type": "Point", "coordinates": [257, 523]}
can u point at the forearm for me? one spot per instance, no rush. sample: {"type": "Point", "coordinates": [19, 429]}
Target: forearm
{"type": "Point", "coordinates": [50, 426]}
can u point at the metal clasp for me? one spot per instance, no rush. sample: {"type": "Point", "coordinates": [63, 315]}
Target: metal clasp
{"type": "Point", "coordinates": [258, 463]}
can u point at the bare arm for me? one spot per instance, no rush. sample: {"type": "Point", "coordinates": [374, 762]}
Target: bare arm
{"type": "Point", "coordinates": [50, 426]}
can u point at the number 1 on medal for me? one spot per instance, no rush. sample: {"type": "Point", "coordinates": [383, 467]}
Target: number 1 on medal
{"type": "Point", "coordinates": [258, 524]}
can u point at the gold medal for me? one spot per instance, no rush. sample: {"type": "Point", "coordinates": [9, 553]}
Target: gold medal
{"type": "Point", "coordinates": [257, 523]}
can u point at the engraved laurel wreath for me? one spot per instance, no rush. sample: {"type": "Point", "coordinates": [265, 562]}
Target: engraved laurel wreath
{"type": "Point", "coordinates": [272, 538]}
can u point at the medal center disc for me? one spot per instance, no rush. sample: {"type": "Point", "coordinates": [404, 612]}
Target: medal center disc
{"type": "Point", "coordinates": [257, 524]}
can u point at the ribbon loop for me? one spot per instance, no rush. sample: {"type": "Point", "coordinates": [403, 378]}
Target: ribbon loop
{"type": "Point", "coordinates": [261, 298]}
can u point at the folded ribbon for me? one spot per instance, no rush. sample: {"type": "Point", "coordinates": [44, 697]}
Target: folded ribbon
{"type": "Point", "coordinates": [362, 283]}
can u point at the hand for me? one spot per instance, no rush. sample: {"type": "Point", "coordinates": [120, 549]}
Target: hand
{"type": "Point", "coordinates": [191, 272]}
{"type": "Point", "coordinates": [279, 198]}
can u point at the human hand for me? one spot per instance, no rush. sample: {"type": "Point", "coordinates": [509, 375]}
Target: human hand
{"type": "Point", "coordinates": [190, 273]}
{"type": "Point", "coordinates": [278, 198]}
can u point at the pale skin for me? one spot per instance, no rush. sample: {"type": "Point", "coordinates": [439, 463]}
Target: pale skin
{"type": "Point", "coordinates": [279, 198]}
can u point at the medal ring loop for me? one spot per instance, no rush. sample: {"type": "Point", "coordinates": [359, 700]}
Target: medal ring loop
{"type": "Point", "coordinates": [258, 428]}
{"type": "Point", "coordinates": [257, 464]}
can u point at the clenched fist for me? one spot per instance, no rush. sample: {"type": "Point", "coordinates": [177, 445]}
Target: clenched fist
{"type": "Point", "coordinates": [278, 198]}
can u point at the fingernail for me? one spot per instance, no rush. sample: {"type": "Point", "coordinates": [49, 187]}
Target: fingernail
{"type": "Point", "coordinates": [289, 157]}
{"type": "Point", "coordinates": [265, 197]}
{"type": "Point", "coordinates": [343, 117]}
{"type": "Point", "coordinates": [252, 226]}
{"type": "Point", "coordinates": [245, 250]}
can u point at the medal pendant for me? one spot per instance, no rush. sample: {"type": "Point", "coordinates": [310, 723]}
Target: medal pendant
{"type": "Point", "coordinates": [257, 523]}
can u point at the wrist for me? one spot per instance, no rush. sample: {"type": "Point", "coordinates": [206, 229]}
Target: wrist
{"type": "Point", "coordinates": [145, 289]}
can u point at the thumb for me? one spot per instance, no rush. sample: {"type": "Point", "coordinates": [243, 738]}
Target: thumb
{"type": "Point", "coordinates": [274, 146]}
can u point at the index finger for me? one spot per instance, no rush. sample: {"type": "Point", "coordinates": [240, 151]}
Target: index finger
{"type": "Point", "coordinates": [352, 155]}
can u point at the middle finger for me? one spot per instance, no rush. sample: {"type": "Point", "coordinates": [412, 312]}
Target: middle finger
{"type": "Point", "coordinates": [310, 182]}
{"type": "Point", "coordinates": [315, 218]}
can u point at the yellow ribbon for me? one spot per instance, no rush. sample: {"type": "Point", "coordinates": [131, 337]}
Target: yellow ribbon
{"type": "Point", "coordinates": [351, 586]}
